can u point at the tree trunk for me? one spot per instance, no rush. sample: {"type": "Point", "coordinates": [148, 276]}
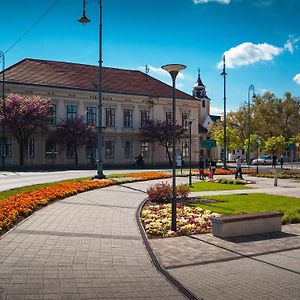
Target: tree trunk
{"type": "Point", "coordinates": [21, 153]}
{"type": "Point", "coordinates": [169, 156]}
{"type": "Point", "coordinates": [76, 156]}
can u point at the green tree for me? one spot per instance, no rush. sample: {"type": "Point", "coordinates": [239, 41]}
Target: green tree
{"type": "Point", "coordinates": [275, 145]}
{"type": "Point", "coordinates": [232, 140]}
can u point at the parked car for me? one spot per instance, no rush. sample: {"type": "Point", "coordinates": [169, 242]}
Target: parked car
{"type": "Point", "coordinates": [263, 160]}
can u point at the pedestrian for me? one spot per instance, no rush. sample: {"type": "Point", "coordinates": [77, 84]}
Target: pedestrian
{"type": "Point", "coordinates": [213, 166]}
{"type": "Point", "coordinates": [238, 172]}
{"type": "Point", "coordinates": [211, 169]}
{"type": "Point", "coordinates": [281, 161]}
{"type": "Point", "coordinates": [201, 169]}
{"type": "Point", "coordinates": [274, 161]}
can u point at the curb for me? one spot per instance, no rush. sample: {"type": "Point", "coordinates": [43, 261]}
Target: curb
{"type": "Point", "coordinates": [183, 290]}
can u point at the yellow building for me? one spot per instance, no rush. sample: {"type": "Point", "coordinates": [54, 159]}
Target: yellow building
{"type": "Point", "coordinates": [129, 98]}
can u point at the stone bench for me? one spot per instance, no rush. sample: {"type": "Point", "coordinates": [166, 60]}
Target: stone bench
{"type": "Point", "coordinates": [246, 224]}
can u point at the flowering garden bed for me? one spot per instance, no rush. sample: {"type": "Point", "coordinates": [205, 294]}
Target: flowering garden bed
{"type": "Point", "coordinates": [225, 171]}
{"type": "Point", "coordinates": [18, 206]}
{"type": "Point", "coordinates": [156, 219]}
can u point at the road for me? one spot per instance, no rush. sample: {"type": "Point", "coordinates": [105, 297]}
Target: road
{"type": "Point", "coordinates": [11, 180]}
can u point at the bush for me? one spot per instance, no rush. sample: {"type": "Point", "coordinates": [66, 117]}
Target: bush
{"type": "Point", "coordinates": [162, 192]}
{"type": "Point", "coordinates": [229, 181]}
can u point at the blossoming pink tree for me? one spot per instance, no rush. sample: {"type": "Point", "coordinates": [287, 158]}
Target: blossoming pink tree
{"type": "Point", "coordinates": [75, 133]}
{"type": "Point", "coordinates": [162, 132]}
{"type": "Point", "coordinates": [23, 116]}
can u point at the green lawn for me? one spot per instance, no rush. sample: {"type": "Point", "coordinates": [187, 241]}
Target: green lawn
{"type": "Point", "coordinates": [200, 186]}
{"type": "Point", "coordinates": [251, 203]}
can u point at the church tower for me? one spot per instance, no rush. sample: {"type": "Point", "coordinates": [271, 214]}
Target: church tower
{"type": "Point", "coordinates": [199, 93]}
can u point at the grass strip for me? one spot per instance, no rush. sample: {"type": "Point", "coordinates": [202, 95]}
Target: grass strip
{"type": "Point", "coordinates": [252, 203]}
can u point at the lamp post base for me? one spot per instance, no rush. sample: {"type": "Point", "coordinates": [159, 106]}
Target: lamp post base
{"type": "Point", "coordinates": [99, 176]}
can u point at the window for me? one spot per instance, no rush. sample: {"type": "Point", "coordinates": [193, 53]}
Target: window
{"type": "Point", "coordinates": [110, 117]}
{"type": "Point", "coordinates": [128, 149]}
{"type": "Point", "coordinates": [71, 112]}
{"type": "Point", "coordinates": [29, 148]}
{"type": "Point", "coordinates": [109, 149]}
{"type": "Point", "coordinates": [70, 151]}
{"type": "Point", "coordinates": [185, 118]}
{"type": "Point", "coordinates": [91, 116]}
{"type": "Point", "coordinates": [53, 114]}
{"type": "Point", "coordinates": [50, 149]}
{"type": "Point", "coordinates": [203, 103]}
{"type": "Point", "coordinates": [127, 118]}
{"type": "Point", "coordinates": [145, 149]}
{"type": "Point", "coordinates": [185, 149]}
{"type": "Point", "coordinates": [169, 117]}
{"type": "Point", "coordinates": [5, 147]}
{"type": "Point", "coordinates": [144, 117]}
{"type": "Point", "coordinates": [90, 153]}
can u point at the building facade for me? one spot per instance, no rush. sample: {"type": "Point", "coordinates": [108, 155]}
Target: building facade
{"type": "Point", "coordinates": [129, 98]}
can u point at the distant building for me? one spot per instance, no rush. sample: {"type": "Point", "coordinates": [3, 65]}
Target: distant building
{"type": "Point", "coordinates": [206, 120]}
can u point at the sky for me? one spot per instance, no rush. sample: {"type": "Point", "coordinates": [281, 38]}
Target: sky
{"type": "Point", "coordinates": [260, 40]}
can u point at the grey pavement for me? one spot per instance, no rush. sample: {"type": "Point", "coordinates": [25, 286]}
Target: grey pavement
{"type": "Point", "coordinates": [89, 247]}
{"type": "Point", "coordinates": [10, 180]}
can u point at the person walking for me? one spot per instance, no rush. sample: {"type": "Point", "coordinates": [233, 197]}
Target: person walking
{"type": "Point", "coordinates": [281, 161]}
{"type": "Point", "coordinates": [210, 171]}
{"type": "Point", "coordinates": [238, 172]}
{"type": "Point", "coordinates": [201, 169]}
{"type": "Point", "coordinates": [213, 165]}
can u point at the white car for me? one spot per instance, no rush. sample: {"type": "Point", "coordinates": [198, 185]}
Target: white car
{"type": "Point", "coordinates": [263, 160]}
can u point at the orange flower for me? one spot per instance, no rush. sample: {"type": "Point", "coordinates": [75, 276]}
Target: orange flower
{"type": "Point", "coordinates": [25, 203]}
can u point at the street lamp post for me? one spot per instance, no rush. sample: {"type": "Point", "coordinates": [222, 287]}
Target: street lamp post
{"type": "Point", "coordinates": [225, 141]}
{"type": "Point", "coordinates": [173, 70]}
{"type": "Point", "coordinates": [251, 88]}
{"type": "Point", "coordinates": [3, 140]}
{"type": "Point", "coordinates": [190, 152]}
{"type": "Point", "coordinates": [85, 20]}
{"type": "Point", "coordinates": [257, 142]}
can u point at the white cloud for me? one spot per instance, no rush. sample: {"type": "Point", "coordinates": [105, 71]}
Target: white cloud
{"type": "Point", "coordinates": [161, 72]}
{"type": "Point", "coordinates": [249, 53]}
{"type": "Point", "coordinates": [207, 1]}
{"type": "Point", "coordinates": [290, 44]}
{"type": "Point", "coordinates": [297, 78]}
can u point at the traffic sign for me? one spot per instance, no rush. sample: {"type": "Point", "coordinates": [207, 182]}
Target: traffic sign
{"type": "Point", "coordinates": [209, 143]}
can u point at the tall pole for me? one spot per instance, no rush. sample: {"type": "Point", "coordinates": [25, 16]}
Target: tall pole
{"type": "Point", "coordinates": [173, 70]}
{"type": "Point", "coordinates": [85, 20]}
{"type": "Point", "coordinates": [251, 87]}
{"type": "Point", "coordinates": [3, 140]}
{"type": "Point", "coordinates": [100, 133]}
{"type": "Point", "coordinates": [225, 141]}
{"type": "Point", "coordinates": [190, 152]}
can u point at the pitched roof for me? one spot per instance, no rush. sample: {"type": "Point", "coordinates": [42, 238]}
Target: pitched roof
{"type": "Point", "coordinates": [85, 77]}
{"type": "Point", "coordinates": [215, 118]}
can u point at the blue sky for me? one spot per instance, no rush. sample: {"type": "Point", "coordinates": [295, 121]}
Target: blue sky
{"type": "Point", "coordinates": [260, 38]}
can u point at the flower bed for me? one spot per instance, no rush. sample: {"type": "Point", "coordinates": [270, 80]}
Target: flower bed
{"type": "Point", "coordinates": [23, 204]}
{"type": "Point", "coordinates": [148, 175]}
{"type": "Point", "coordinates": [156, 220]}
{"type": "Point", "coordinates": [225, 171]}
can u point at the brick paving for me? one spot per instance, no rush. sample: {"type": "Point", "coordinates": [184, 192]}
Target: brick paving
{"type": "Point", "coordinates": [89, 247]}
{"type": "Point", "coordinates": [84, 247]}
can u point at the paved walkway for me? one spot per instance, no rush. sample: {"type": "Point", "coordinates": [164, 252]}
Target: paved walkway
{"type": "Point", "coordinates": [89, 247]}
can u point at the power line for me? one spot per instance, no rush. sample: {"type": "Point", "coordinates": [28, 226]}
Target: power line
{"type": "Point", "coordinates": [32, 26]}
